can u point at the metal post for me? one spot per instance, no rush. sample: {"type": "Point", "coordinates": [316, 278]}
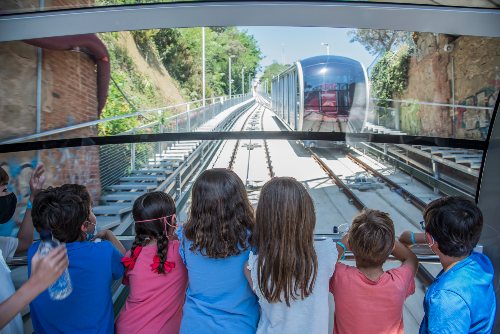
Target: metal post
{"type": "Point", "coordinates": [435, 171]}
{"type": "Point", "coordinates": [203, 61]}
{"type": "Point", "coordinates": [188, 118]}
{"type": "Point", "coordinates": [453, 96]}
{"type": "Point", "coordinates": [243, 80]}
{"type": "Point", "coordinates": [179, 186]}
{"type": "Point", "coordinates": [132, 155]}
{"type": "Point", "coordinates": [176, 123]}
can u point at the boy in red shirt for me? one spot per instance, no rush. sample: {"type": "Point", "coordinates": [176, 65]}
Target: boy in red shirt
{"type": "Point", "coordinates": [367, 299]}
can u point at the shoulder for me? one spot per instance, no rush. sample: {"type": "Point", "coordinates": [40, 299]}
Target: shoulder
{"type": "Point", "coordinates": [8, 245]}
{"type": "Point", "coordinates": [404, 272]}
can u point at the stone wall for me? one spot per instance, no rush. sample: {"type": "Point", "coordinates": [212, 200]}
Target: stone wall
{"type": "Point", "coordinates": [69, 96]}
{"type": "Point", "coordinates": [473, 66]}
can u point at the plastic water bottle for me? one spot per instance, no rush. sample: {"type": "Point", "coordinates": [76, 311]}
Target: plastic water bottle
{"type": "Point", "coordinates": [62, 287]}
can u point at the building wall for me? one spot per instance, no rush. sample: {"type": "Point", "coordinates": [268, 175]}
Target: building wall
{"type": "Point", "coordinates": [69, 96]}
{"type": "Point", "coordinates": [473, 65]}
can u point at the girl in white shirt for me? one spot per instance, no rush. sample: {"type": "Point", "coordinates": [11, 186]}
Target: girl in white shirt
{"type": "Point", "coordinates": [288, 271]}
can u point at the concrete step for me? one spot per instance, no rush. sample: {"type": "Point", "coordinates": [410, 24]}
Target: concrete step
{"type": "Point", "coordinates": [112, 210]}
{"type": "Point", "coordinates": [155, 171]}
{"type": "Point", "coordinates": [121, 196]}
{"type": "Point", "coordinates": [105, 222]}
{"type": "Point", "coordinates": [132, 186]}
{"type": "Point", "coordinates": [143, 178]}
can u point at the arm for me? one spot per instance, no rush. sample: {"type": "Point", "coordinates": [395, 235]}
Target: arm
{"type": "Point", "coordinates": [405, 238]}
{"type": "Point", "coordinates": [340, 249]}
{"type": "Point", "coordinates": [108, 235]}
{"type": "Point", "coordinates": [402, 253]}
{"type": "Point", "coordinates": [246, 271]}
{"type": "Point", "coordinates": [44, 272]}
{"type": "Point", "coordinates": [25, 234]}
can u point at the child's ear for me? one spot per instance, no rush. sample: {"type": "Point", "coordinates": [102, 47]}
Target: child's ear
{"type": "Point", "coordinates": [84, 227]}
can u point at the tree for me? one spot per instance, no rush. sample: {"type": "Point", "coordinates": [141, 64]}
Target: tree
{"type": "Point", "coordinates": [379, 41]}
{"type": "Point", "coordinates": [270, 72]}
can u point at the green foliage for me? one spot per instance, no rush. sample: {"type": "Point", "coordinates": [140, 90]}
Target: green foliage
{"type": "Point", "coordinates": [411, 122]}
{"type": "Point", "coordinates": [270, 72]}
{"type": "Point", "coordinates": [379, 41]}
{"type": "Point", "coordinates": [389, 75]}
{"type": "Point", "coordinates": [180, 53]}
{"type": "Point", "coordinates": [137, 88]}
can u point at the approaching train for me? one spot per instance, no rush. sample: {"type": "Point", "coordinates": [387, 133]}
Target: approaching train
{"type": "Point", "coordinates": [322, 93]}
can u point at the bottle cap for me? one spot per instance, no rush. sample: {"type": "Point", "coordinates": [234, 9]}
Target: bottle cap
{"type": "Point", "coordinates": [45, 235]}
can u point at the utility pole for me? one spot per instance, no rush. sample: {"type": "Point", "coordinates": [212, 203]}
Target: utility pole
{"type": "Point", "coordinates": [203, 62]}
{"type": "Point", "coordinates": [230, 81]}
{"type": "Point", "coordinates": [327, 48]}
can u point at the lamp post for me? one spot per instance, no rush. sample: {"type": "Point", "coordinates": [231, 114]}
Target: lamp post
{"type": "Point", "coordinates": [243, 80]}
{"type": "Point", "coordinates": [230, 57]}
{"type": "Point", "coordinates": [203, 62]}
{"type": "Point", "coordinates": [327, 48]}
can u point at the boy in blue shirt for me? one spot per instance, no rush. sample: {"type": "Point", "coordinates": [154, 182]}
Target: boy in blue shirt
{"type": "Point", "coordinates": [462, 297]}
{"type": "Point", "coordinates": [92, 267]}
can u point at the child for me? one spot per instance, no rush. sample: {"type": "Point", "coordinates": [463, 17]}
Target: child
{"type": "Point", "coordinates": [462, 298]}
{"type": "Point", "coordinates": [367, 299]}
{"type": "Point", "coordinates": [214, 247]}
{"type": "Point", "coordinates": [9, 246]}
{"type": "Point", "coordinates": [288, 271]}
{"type": "Point", "coordinates": [92, 267]}
{"type": "Point", "coordinates": [154, 270]}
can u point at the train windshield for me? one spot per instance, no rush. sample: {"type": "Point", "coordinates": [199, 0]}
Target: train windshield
{"type": "Point", "coordinates": [335, 94]}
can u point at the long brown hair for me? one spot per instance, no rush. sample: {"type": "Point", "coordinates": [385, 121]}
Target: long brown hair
{"type": "Point", "coordinates": [283, 238]}
{"type": "Point", "coordinates": [221, 217]}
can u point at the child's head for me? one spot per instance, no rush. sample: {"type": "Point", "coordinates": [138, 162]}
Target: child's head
{"type": "Point", "coordinates": [284, 240]}
{"type": "Point", "coordinates": [154, 216]}
{"type": "Point", "coordinates": [83, 193]}
{"type": "Point", "coordinates": [61, 211]}
{"type": "Point", "coordinates": [455, 224]}
{"type": "Point", "coordinates": [371, 238]}
{"type": "Point", "coordinates": [221, 216]}
{"type": "Point", "coordinates": [4, 182]}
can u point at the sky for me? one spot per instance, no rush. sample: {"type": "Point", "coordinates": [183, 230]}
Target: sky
{"type": "Point", "coordinates": [303, 42]}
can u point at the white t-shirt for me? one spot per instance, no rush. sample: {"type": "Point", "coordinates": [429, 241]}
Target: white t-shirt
{"type": "Point", "coordinates": [15, 326]}
{"type": "Point", "coordinates": [8, 246]}
{"type": "Point", "coordinates": [309, 315]}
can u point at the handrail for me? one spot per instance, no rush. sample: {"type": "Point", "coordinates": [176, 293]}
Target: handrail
{"type": "Point", "coordinates": [109, 119]}
{"type": "Point", "coordinates": [434, 104]}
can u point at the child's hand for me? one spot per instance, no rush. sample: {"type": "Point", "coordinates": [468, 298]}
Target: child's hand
{"type": "Point", "coordinates": [37, 180]}
{"type": "Point", "coordinates": [104, 235]}
{"type": "Point", "coordinates": [46, 270]}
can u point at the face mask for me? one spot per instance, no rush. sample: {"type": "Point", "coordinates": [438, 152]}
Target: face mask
{"type": "Point", "coordinates": [91, 235]}
{"type": "Point", "coordinates": [7, 207]}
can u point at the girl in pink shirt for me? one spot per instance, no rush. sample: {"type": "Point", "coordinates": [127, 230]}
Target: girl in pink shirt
{"type": "Point", "coordinates": [153, 269]}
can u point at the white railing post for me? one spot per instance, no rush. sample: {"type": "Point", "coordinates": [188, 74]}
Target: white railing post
{"type": "Point", "coordinates": [188, 117]}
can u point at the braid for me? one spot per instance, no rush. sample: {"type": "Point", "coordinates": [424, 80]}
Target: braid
{"type": "Point", "coordinates": [162, 248]}
{"type": "Point", "coordinates": [140, 240]}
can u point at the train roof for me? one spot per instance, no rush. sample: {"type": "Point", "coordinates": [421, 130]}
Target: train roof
{"type": "Point", "coordinates": [325, 59]}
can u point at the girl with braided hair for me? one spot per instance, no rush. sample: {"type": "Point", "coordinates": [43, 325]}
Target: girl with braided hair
{"type": "Point", "coordinates": [154, 269]}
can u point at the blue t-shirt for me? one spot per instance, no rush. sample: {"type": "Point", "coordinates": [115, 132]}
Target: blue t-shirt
{"type": "Point", "coordinates": [462, 299]}
{"type": "Point", "coordinates": [89, 308]}
{"type": "Point", "coordinates": [218, 297]}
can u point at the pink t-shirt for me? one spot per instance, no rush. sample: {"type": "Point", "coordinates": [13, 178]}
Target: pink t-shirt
{"type": "Point", "coordinates": [365, 306]}
{"type": "Point", "coordinates": [155, 302]}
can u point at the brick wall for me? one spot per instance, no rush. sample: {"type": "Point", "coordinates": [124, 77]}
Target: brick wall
{"type": "Point", "coordinates": [69, 96]}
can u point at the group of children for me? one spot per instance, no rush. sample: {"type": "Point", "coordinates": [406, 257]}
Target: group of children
{"type": "Point", "coordinates": [229, 269]}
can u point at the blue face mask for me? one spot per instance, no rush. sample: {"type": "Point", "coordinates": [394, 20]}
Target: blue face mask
{"type": "Point", "coordinates": [90, 236]}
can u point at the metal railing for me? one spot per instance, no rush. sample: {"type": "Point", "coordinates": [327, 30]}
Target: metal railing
{"type": "Point", "coordinates": [467, 121]}
{"type": "Point", "coordinates": [193, 116]}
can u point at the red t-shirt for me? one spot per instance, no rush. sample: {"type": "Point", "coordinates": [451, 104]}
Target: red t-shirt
{"type": "Point", "coordinates": [365, 306]}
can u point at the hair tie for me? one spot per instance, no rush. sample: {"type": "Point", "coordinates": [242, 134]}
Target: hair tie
{"type": "Point", "coordinates": [163, 219]}
{"type": "Point", "coordinates": [155, 266]}
{"type": "Point", "coordinates": [129, 262]}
